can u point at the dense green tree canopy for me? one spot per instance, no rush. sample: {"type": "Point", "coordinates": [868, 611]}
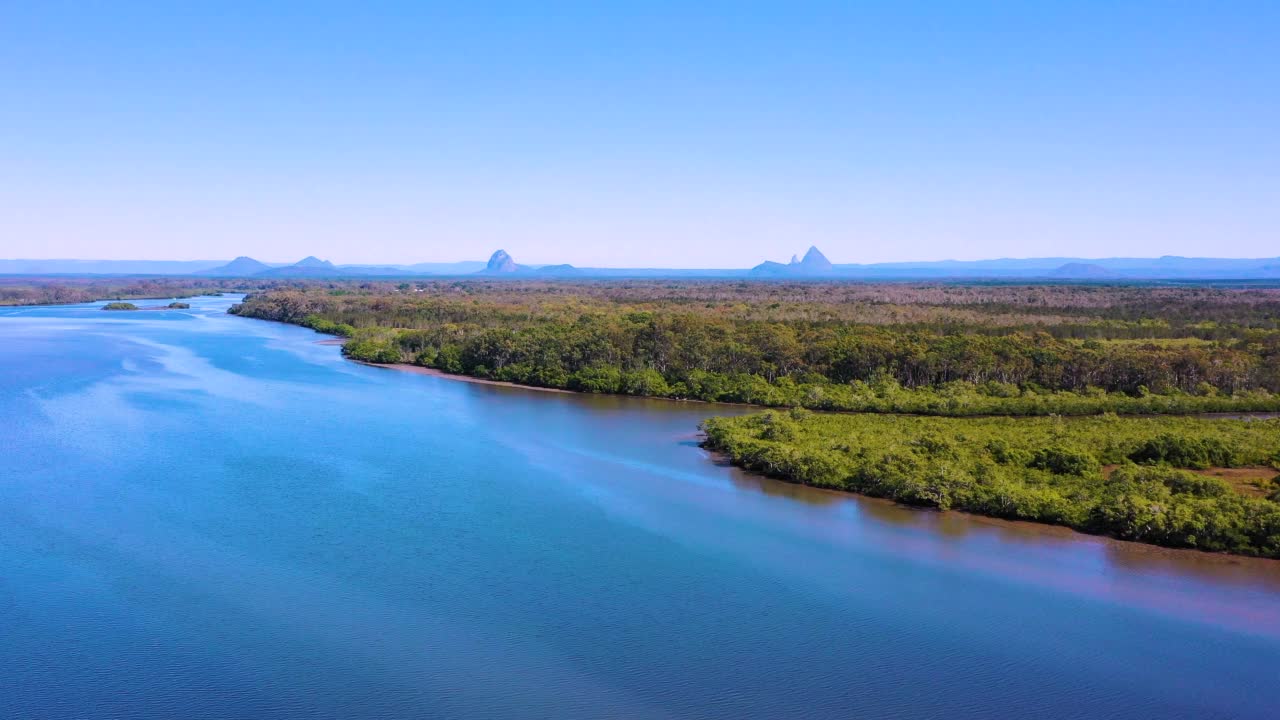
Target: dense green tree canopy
{"type": "Point", "coordinates": [936, 349]}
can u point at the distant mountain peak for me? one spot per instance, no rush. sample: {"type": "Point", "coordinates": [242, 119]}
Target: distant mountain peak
{"type": "Point", "coordinates": [813, 264]}
{"type": "Point", "coordinates": [501, 262]}
{"type": "Point", "coordinates": [1082, 271]}
{"type": "Point", "coordinates": [564, 269]}
{"type": "Point", "coordinates": [815, 260]}
{"type": "Point", "coordinates": [310, 266]}
{"type": "Point", "coordinates": [243, 266]}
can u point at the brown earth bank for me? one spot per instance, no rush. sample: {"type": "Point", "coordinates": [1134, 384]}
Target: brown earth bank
{"type": "Point", "coordinates": [1254, 481]}
{"type": "Point", "coordinates": [419, 370]}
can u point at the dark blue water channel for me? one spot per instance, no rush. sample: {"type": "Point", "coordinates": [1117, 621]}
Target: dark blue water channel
{"type": "Point", "coordinates": [204, 516]}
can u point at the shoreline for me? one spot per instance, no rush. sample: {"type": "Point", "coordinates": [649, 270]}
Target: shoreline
{"type": "Point", "coordinates": [421, 370]}
{"type": "Point", "coordinates": [220, 293]}
{"type": "Point", "coordinates": [720, 458]}
{"type": "Point", "coordinates": [1150, 550]}
{"type": "Point", "coordinates": [1049, 530]}
{"type": "Point", "coordinates": [432, 372]}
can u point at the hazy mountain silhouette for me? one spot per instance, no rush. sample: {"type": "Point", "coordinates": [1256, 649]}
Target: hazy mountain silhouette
{"type": "Point", "coordinates": [310, 266]}
{"type": "Point", "coordinates": [464, 267]}
{"type": "Point", "coordinates": [501, 263]}
{"type": "Point", "coordinates": [558, 270]}
{"type": "Point", "coordinates": [814, 264]}
{"type": "Point", "coordinates": [1083, 271]}
{"type": "Point", "coordinates": [242, 266]}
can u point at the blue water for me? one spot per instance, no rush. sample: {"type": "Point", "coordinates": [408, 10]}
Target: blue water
{"type": "Point", "coordinates": [204, 516]}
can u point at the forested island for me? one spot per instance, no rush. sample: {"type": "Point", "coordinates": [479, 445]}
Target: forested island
{"type": "Point", "coordinates": [119, 306]}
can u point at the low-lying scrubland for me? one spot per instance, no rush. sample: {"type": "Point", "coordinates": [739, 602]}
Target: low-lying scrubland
{"type": "Point", "coordinates": [1143, 479]}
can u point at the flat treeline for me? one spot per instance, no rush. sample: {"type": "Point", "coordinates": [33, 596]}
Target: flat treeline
{"type": "Point", "coordinates": [35, 290]}
{"type": "Point", "coordinates": [941, 349]}
{"type": "Point", "coordinates": [1123, 477]}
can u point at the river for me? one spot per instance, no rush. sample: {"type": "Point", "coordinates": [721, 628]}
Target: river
{"type": "Point", "coordinates": [206, 516]}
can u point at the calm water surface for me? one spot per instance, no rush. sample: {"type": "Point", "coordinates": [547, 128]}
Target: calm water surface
{"type": "Point", "coordinates": [204, 516]}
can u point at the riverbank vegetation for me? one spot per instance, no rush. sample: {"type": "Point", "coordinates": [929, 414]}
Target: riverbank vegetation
{"type": "Point", "coordinates": [61, 290]}
{"type": "Point", "coordinates": [1144, 479]}
{"type": "Point", "coordinates": [937, 349]}
{"type": "Point", "coordinates": [1047, 352]}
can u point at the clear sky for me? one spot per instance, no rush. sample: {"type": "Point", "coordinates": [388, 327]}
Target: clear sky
{"type": "Point", "coordinates": [660, 134]}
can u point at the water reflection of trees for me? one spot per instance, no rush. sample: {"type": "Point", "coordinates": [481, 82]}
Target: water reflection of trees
{"type": "Point", "coordinates": [775, 488]}
{"type": "Point", "coordinates": [951, 525]}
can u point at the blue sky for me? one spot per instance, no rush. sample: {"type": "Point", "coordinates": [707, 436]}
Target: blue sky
{"type": "Point", "coordinates": [639, 134]}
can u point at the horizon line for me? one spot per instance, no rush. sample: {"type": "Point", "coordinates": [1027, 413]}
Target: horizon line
{"type": "Point", "coordinates": [286, 263]}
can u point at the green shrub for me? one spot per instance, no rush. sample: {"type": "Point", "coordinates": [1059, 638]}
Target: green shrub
{"type": "Point", "coordinates": [1181, 482]}
{"type": "Point", "coordinates": [597, 379]}
{"type": "Point", "coordinates": [1063, 461]}
{"type": "Point", "coordinates": [1002, 453]}
{"type": "Point", "coordinates": [372, 349]}
{"type": "Point", "coordinates": [1185, 452]}
{"type": "Point", "coordinates": [779, 428]}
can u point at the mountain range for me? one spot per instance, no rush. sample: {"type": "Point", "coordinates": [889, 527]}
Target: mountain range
{"type": "Point", "coordinates": [814, 264]}
{"type": "Point", "coordinates": [240, 267]}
